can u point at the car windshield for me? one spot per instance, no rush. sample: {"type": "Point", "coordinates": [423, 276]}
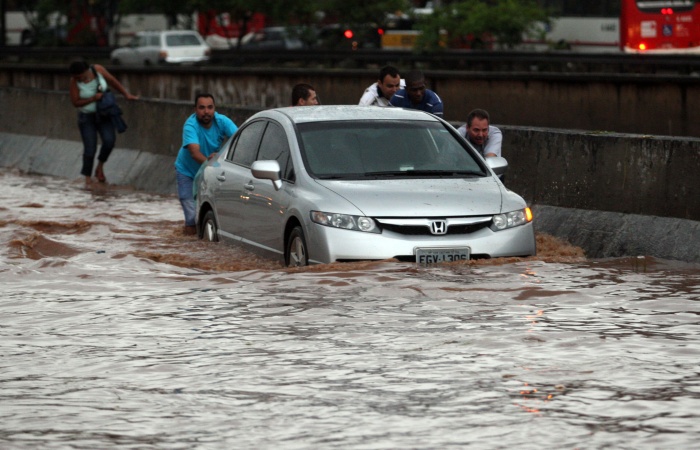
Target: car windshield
{"type": "Point", "coordinates": [181, 40]}
{"type": "Point", "coordinates": [385, 149]}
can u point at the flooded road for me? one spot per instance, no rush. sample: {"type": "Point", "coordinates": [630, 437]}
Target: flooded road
{"type": "Point", "coordinates": [117, 331]}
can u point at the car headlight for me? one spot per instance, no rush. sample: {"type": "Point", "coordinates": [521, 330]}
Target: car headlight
{"type": "Point", "coordinates": [345, 221]}
{"type": "Point", "coordinates": [511, 219]}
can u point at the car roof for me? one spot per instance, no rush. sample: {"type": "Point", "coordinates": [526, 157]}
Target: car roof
{"type": "Point", "coordinates": [329, 113]}
{"type": "Point", "coordinates": [168, 32]}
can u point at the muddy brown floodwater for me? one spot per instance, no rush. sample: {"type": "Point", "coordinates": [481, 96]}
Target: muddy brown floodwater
{"type": "Point", "coordinates": [117, 331]}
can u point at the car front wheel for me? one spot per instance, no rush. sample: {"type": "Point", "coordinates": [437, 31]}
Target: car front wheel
{"type": "Point", "coordinates": [296, 249]}
{"type": "Point", "coordinates": [208, 229]}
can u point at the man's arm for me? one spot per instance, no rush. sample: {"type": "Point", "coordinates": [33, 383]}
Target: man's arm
{"type": "Point", "coordinates": [437, 105]}
{"type": "Point", "coordinates": [228, 126]}
{"type": "Point", "coordinates": [196, 153]}
{"type": "Point", "coordinates": [190, 141]}
{"type": "Point", "coordinates": [398, 98]}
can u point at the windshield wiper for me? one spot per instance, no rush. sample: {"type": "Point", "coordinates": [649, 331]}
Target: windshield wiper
{"type": "Point", "coordinates": [413, 173]}
{"type": "Point", "coordinates": [335, 177]}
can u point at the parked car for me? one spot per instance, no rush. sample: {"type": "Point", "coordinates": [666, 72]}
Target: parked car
{"type": "Point", "coordinates": [319, 184]}
{"type": "Point", "coordinates": [55, 36]}
{"type": "Point", "coordinates": [274, 38]}
{"type": "Point", "coordinates": [163, 47]}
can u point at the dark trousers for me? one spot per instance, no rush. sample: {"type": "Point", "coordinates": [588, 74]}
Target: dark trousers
{"type": "Point", "coordinates": [90, 125]}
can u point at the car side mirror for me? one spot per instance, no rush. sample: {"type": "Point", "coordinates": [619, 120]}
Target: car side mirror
{"type": "Point", "coordinates": [267, 170]}
{"type": "Point", "coordinates": [497, 163]}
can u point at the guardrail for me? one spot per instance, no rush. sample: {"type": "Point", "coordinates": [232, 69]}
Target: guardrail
{"type": "Point", "coordinates": [487, 61]}
{"type": "Point", "coordinates": [53, 54]}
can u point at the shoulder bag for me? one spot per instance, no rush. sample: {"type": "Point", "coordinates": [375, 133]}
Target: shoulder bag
{"type": "Point", "coordinates": [107, 105]}
{"type": "Point", "coordinates": [108, 100]}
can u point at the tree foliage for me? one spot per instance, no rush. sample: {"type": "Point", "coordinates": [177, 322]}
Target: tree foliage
{"type": "Point", "coordinates": [361, 11]}
{"type": "Point", "coordinates": [104, 15]}
{"type": "Point", "coordinates": [77, 22]}
{"type": "Point", "coordinates": [479, 23]}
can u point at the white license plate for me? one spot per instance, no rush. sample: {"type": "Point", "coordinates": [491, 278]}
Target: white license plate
{"type": "Point", "coordinates": [439, 255]}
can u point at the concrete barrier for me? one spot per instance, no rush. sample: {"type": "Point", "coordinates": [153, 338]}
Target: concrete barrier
{"type": "Point", "coordinates": [604, 234]}
{"type": "Point", "coordinates": [61, 158]}
{"type": "Point", "coordinates": [621, 102]}
{"type": "Point", "coordinates": [611, 194]}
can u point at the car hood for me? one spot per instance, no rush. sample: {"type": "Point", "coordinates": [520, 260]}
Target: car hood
{"type": "Point", "coordinates": [420, 197]}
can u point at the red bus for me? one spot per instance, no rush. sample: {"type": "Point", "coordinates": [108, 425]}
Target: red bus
{"type": "Point", "coordinates": [660, 26]}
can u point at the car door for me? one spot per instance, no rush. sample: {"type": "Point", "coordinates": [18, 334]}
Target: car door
{"type": "Point", "coordinates": [265, 208]}
{"type": "Point", "coordinates": [151, 47]}
{"type": "Point", "coordinates": [233, 175]}
{"type": "Point", "coordinates": [130, 54]}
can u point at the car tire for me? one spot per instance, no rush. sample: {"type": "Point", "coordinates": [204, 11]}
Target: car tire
{"type": "Point", "coordinates": [297, 254]}
{"type": "Point", "coordinates": [209, 230]}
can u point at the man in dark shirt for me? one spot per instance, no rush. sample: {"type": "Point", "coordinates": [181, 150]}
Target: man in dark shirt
{"type": "Point", "coordinates": [417, 96]}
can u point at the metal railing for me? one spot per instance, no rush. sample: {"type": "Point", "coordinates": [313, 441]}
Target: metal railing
{"type": "Point", "coordinates": [487, 61]}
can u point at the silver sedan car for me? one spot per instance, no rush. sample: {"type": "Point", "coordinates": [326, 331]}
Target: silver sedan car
{"type": "Point", "coordinates": [319, 184]}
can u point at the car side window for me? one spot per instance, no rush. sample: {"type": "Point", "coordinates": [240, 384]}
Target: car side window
{"type": "Point", "coordinates": [275, 146]}
{"type": "Point", "coordinates": [180, 40]}
{"type": "Point", "coordinates": [245, 149]}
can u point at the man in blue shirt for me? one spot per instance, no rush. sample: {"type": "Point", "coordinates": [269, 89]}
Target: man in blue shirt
{"type": "Point", "coordinates": [417, 96]}
{"type": "Point", "coordinates": [202, 135]}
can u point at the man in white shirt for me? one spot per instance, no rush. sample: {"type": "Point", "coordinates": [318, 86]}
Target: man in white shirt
{"type": "Point", "coordinates": [379, 93]}
{"type": "Point", "coordinates": [481, 134]}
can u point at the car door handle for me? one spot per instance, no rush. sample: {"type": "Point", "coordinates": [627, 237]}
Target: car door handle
{"type": "Point", "coordinates": [249, 187]}
{"type": "Point", "coordinates": [221, 177]}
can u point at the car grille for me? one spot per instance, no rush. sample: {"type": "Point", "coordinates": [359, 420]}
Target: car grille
{"type": "Point", "coordinates": [424, 230]}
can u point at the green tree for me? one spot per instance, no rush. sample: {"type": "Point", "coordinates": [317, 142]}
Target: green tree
{"type": "Point", "coordinates": [75, 22]}
{"type": "Point", "coordinates": [308, 12]}
{"type": "Point", "coordinates": [46, 19]}
{"type": "Point", "coordinates": [475, 23]}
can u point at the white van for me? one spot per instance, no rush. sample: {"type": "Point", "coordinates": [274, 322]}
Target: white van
{"type": "Point", "coordinates": [163, 47]}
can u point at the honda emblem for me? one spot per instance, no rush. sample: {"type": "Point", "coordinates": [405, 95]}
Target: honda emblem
{"type": "Point", "coordinates": [438, 227]}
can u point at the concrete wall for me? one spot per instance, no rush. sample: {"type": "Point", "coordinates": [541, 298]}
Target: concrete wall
{"type": "Point", "coordinates": [625, 173]}
{"type": "Point", "coordinates": [611, 194]}
{"type": "Point", "coordinates": [623, 103]}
